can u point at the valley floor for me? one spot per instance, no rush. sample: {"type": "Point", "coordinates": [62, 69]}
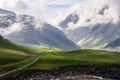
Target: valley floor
{"type": "Point", "coordinates": [54, 63]}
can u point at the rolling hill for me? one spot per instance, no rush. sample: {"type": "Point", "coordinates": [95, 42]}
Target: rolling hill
{"type": "Point", "coordinates": [6, 44]}
{"type": "Point", "coordinates": [13, 56]}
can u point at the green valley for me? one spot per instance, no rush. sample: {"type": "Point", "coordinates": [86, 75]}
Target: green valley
{"type": "Point", "coordinates": [13, 56]}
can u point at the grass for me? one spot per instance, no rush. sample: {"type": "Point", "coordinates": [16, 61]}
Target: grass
{"type": "Point", "coordinates": [8, 67]}
{"type": "Point", "coordinates": [12, 55]}
{"type": "Point", "coordinates": [11, 59]}
{"type": "Point", "coordinates": [15, 56]}
{"type": "Point", "coordinates": [53, 60]}
{"type": "Point", "coordinates": [9, 45]}
{"type": "Point", "coordinates": [8, 56]}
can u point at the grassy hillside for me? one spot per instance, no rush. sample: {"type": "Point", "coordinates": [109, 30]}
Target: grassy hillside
{"type": "Point", "coordinates": [53, 60]}
{"type": "Point", "coordinates": [9, 45]}
{"type": "Point", "coordinates": [13, 56]}
{"type": "Point", "coordinates": [9, 56]}
{"type": "Point", "coordinates": [10, 52]}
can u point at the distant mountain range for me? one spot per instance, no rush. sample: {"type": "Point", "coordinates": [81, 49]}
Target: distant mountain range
{"type": "Point", "coordinates": [28, 31]}
{"type": "Point", "coordinates": [93, 34]}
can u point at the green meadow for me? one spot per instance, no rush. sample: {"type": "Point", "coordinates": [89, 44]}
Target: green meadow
{"type": "Point", "coordinates": [13, 56]}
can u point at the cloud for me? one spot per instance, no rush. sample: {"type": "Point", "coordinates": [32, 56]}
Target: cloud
{"type": "Point", "coordinates": [66, 2]}
{"type": "Point", "coordinates": [116, 6]}
{"type": "Point", "coordinates": [60, 2]}
{"type": "Point", "coordinates": [16, 27]}
{"type": "Point", "coordinates": [14, 5]}
{"type": "Point", "coordinates": [37, 8]}
{"type": "Point", "coordinates": [96, 12]}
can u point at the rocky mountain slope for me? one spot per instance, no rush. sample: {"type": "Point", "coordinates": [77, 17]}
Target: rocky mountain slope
{"type": "Point", "coordinates": [91, 27]}
{"type": "Point", "coordinates": [29, 31]}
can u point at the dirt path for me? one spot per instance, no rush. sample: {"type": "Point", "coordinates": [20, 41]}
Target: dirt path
{"type": "Point", "coordinates": [18, 69]}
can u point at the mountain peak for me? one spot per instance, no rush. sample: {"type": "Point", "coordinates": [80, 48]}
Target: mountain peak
{"type": "Point", "coordinates": [74, 18]}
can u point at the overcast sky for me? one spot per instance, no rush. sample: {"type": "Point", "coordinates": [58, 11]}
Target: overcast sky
{"type": "Point", "coordinates": [62, 6]}
{"type": "Point", "coordinates": [44, 9]}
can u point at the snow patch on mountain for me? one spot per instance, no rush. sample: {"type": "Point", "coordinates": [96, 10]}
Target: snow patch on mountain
{"type": "Point", "coordinates": [29, 31]}
{"type": "Point", "coordinates": [96, 25]}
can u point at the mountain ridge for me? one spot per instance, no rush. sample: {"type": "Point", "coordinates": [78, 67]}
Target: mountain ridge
{"type": "Point", "coordinates": [91, 31]}
{"type": "Point", "coordinates": [26, 30]}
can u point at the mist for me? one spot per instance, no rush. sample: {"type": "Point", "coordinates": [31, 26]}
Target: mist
{"type": "Point", "coordinates": [92, 13]}
{"type": "Point", "coordinates": [37, 8]}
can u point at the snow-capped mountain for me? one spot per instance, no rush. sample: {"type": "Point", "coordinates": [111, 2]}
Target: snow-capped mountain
{"type": "Point", "coordinates": [92, 27]}
{"type": "Point", "coordinates": [102, 34]}
{"type": "Point", "coordinates": [70, 18]}
{"type": "Point", "coordinates": [29, 31]}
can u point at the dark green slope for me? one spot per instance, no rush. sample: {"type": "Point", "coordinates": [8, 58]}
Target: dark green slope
{"type": "Point", "coordinates": [4, 43]}
{"type": "Point", "coordinates": [10, 52]}
{"type": "Point", "coordinates": [13, 56]}
{"type": "Point", "coordinates": [53, 60]}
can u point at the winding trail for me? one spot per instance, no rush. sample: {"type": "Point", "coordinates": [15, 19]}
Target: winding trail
{"type": "Point", "coordinates": [18, 69]}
